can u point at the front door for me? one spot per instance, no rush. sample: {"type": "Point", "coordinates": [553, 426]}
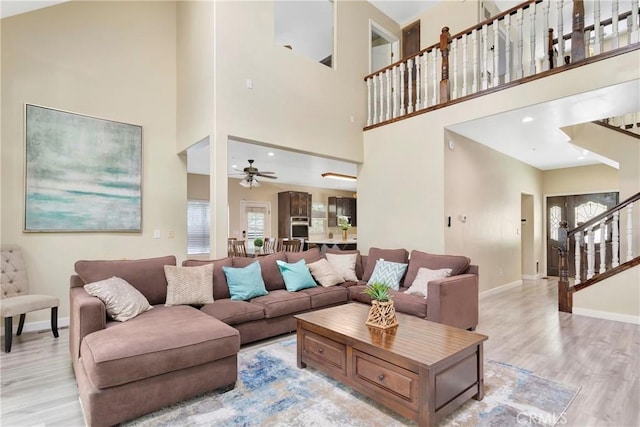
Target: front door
{"type": "Point", "coordinates": [576, 210]}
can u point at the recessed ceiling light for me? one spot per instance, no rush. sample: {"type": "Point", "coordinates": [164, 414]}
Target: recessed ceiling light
{"type": "Point", "coordinates": [527, 119]}
{"type": "Point", "coordinates": [234, 166]}
{"type": "Point", "coordinates": [339, 176]}
{"type": "Point", "coordinates": [270, 153]}
{"type": "Point", "coordinates": [580, 157]}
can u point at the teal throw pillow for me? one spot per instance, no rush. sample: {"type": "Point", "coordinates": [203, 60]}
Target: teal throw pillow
{"type": "Point", "coordinates": [296, 276]}
{"type": "Point", "coordinates": [388, 273]}
{"type": "Point", "coordinates": [245, 283]}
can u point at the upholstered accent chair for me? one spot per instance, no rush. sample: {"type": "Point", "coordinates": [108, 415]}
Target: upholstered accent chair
{"type": "Point", "coordinates": [14, 294]}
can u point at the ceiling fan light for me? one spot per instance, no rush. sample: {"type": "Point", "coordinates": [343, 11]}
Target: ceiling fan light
{"type": "Point", "coordinates": [245, 183]}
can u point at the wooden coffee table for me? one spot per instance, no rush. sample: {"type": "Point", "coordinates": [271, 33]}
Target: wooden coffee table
{"type": "Point", "coordinates": [420, 369]}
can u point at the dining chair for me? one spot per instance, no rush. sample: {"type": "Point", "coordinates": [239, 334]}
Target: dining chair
{"type": "Point", "coordinates": [239, 248]}
{"type": "Point", "coordinates": [269, 246]}
{"type": "Point", "coordinates": [292, 245]}
{"type": "Point", "coordinates": [230, 242]}
{"type": "Point", "coordinates": [15, 297]}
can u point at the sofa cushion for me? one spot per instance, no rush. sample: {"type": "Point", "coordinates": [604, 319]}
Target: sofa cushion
{"type": "Point", "coordinates": [245, 282]}
{"type": "Point", "coordinates": [388, 273]}
{"type": "Point", "coordinates": [282, 302]}
{"type": "Point", "coordinates": [321, 296]}
{"type": "Point", "coordinates": [403, 303]}
{"type": "Point", "coordinates": [270, 272]}
{"type": "Point", "coordinates": [344, 265]}
{"type": "Point", "coordinates": [296, 275]}
{"type": "Point", "coordinates": [359, 263]}
{"type": "Point", "coordinates": [233, 312]}
{"type": "Point", "coordinates": [457, 264]}
{"type": "Point", "coordinates": [420, 285]}
{"type": "Point", "coordinates": [161, 340]}
{"type": "Point", "coordinates": [189, 285]}
{"type": "Point", "coordinates": [121, 300]}
{"type": "Point", "coordinates": [146, 275]}
{"type": "Point", "coordinates": [323, 273]}
{"type": "Point", "coordinates": [220, 287]}
{"type": "Point", "coordinates": [393, 255]}
{"type": "Point", "coordinates": [308, 256]}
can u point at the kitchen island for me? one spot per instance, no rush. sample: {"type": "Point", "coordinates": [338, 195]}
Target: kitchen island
{"type": "Point", "coordinates": [348, 244]}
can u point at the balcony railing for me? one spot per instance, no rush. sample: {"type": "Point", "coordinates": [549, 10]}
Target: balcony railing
{"type": "Point", "coordinates": [526, 40]}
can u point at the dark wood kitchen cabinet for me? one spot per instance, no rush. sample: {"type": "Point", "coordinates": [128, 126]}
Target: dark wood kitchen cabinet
{"type": "Point", "coordinates": [292, 204]}
{"type": "Point", "coordinates": [342, 206]}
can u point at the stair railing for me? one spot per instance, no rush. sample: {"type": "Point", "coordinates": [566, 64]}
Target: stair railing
{"type": "Point", "coordinates": [507, 48]}
{"type": "Point", "coordinates": [589, 241]}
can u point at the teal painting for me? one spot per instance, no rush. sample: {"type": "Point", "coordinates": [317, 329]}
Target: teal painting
{"type": "Point", "coordinates": [82, 173]}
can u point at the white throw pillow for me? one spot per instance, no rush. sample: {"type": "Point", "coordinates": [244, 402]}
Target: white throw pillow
{"type": "Point", "coordinates": [389, 273]}
{"type": "Point", "coordinates": [424, 276]}
{"type": "Point", "coordinates": [189, 285]}
{"type": "Point", "coordinates": [122, 301]}
{"type": "Point", "coordinates": [344, 265]}
{"type": "Point", "coordinates": [324, 273]}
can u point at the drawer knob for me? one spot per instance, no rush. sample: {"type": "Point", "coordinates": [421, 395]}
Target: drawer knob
{"type": "Point", "coordinates": [320, 350]}
{"type": "Point", "coordinates": [381, 377]}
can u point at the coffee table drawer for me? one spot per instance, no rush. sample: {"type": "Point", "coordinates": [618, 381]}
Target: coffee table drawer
{"type": "Point", "coordinates": [325, 349]}
{"type": "Point", "coordinates": [386, 378]}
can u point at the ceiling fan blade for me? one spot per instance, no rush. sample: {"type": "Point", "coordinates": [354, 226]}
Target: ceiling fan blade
{"type": "Point", "coordinates": [269, 173]}
{"type": "Point", "coordinates": [267, 176]}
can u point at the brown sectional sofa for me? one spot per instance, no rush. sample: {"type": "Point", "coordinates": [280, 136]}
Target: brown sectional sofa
{"type": "Point", "coordinates": [171, 353]}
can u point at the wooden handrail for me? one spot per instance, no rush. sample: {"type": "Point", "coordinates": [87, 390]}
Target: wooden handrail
{"type": "Point", "coordinates": [598, 218]}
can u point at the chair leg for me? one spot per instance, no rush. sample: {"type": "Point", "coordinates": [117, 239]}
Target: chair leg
{"type": "Point", "coordinates": [8, 333]}
{"type": "Point", "coordinates": [21, 323]}
{"type": "Point", "coordinates": [54, 321]}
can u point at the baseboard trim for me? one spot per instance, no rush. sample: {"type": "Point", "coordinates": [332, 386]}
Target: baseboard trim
{"type": "Point", "coordinates": [532, 276]}
{"type": "Point", "coordinates": [501, 288]}
{"type": "Point", "coordinates": [44, 325]}
{"type": "Point", "coordinates": [607, 315]}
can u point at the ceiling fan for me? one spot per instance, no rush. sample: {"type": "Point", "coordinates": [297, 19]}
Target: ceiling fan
{"type": "Point", "coordinates": [250, 174]}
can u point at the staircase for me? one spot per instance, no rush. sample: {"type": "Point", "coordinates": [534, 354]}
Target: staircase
{"type": "Point", "coordinates": [606, 229]}
{"type": "Point", "coordinates": [628, 124]}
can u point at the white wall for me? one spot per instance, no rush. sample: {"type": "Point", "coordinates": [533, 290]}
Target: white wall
{"type": "Point", "coordinates": [295, 102]}
{"type": "Point", "coordinates": [113, 60]}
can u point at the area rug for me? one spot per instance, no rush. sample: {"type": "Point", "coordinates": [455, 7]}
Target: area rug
{"type": "Point", "coordinates": [272, 391]}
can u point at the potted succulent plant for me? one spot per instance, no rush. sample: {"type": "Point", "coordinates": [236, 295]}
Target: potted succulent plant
{"type": "Point", "coordinates": [382, 313]}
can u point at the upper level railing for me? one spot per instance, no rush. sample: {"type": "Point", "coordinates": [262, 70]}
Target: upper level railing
{"type": "Point", "coordinates": [509, 47]}
{"type": "Point", "coordinates": [596, 247]}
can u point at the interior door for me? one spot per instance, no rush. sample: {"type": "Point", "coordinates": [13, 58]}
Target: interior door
{"type": "Point", "coordinates": [380, 56]}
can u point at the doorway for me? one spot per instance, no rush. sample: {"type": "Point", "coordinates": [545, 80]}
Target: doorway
{"type": "Point", "coordinates": [529, 266]}
{"type": "Point", "coordinates": [575, 209]}
{"type": "Point", "coordinates": [383, 49]}
{"type": "Point", "coordinates": [256, 221]}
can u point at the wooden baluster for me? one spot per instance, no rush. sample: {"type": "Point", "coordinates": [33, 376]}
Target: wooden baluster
{"type": "Point", "coordinates": [520, 53]}
{"type": "Point", "coordinates": [425, 77]}
{"type": "Point", "coordinates": [548, 37]}
{"type": "Point", "coordinates": [474, 39]}
{"type": "Point", "coordinates": [591, 259]}
{"type": "Point", "coordinates": [634, 32]}
{"type": "Point", "coordinates": [418, 83]}
{"type": "Point", "coordinates": [375, 99]}
{"type": "Point", "coordinates": [587, 41]}
{"type": "Point", "coordinates": [630, 232]}
{"type": "Point", "coordinates": [615, 240]}
{"type": "Point", "coordinates": [402, 110]}
{"type": "Point", "coordinates": [465, 65]}
{"type": "Point", "coordinates": [496, 53]}
{"type": "Point", "coordinates": [577, 256]}
{"type": "Point", "coordinates": [597, 29]}
{"type": "Point", "coordinates": [454, 52]}
{"type": "Point", "coordinates": [387, 75]}
{"type": "Point", "coordinates": [577, 31]}
{"type": "Point", "coordinates": [434, 76]}
{"type": "Point", "coordinates": [381, 83]}
{"type": "Point", "coordinates": [410, 86]}
{"type": "Point", "coordinates": [603, 246]}
{"type": "Point", "coordinates": [369, 120]}
{"type": "Point", "coordinates": [615, 39]}
{"type": "Point", "coordinates": [507, 24]}
{"type": "Point", "coordinates": [532, 39]}
{"type": "Point", "coordinates": [484, 67]}
{"type": "Point", "coordinates": [560, 5]}
{"type": "Point", "coordinates": [445, 91]}
{"type": "Point", "coordinates": [396, 92]}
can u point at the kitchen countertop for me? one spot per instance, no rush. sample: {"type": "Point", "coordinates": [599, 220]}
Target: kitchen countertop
{"type": "Point", "coordinates": [331, 241]}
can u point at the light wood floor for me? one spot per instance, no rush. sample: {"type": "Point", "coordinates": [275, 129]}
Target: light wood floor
{"type": "Point", "coordinates": [524, 328]}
